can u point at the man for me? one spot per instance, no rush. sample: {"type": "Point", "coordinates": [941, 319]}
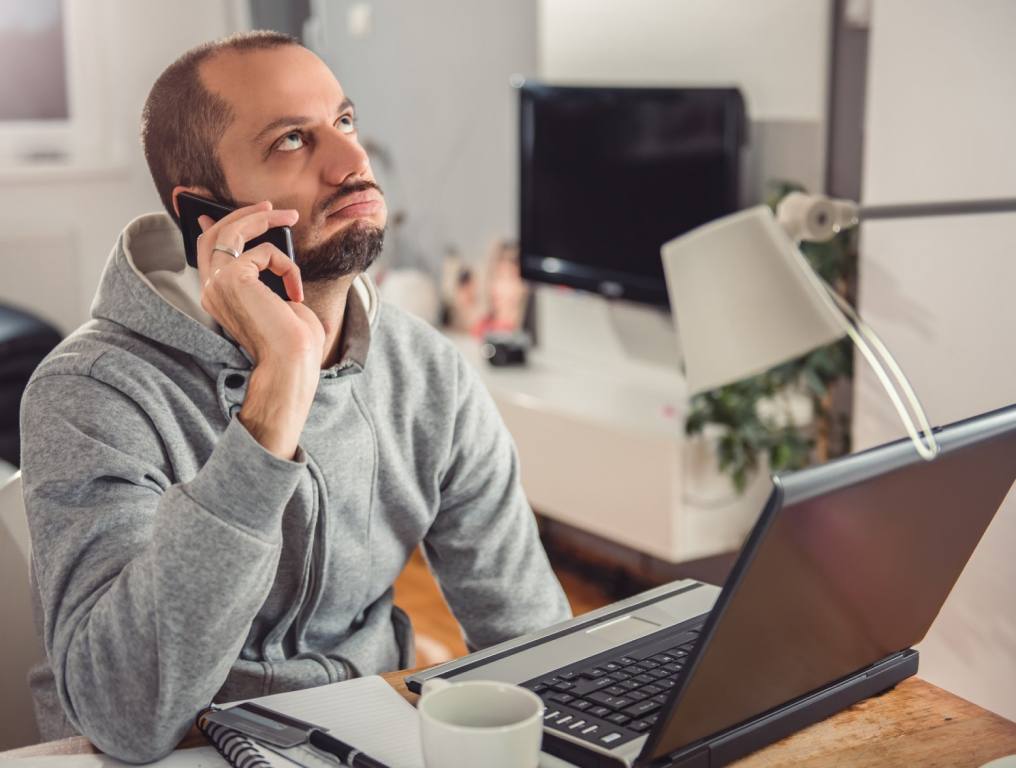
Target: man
{"type": "Point", "coordinates": [222, 486]}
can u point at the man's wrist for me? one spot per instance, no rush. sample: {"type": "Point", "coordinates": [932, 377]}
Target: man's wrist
{"type": "Point", "coordinates": [276, 406]}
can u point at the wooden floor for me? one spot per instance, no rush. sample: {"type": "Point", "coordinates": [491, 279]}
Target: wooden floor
{"type": "Point", "coordinates": [438, 637]}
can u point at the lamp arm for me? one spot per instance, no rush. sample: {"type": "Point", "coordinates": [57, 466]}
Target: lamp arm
{"type": "Point", "coordinates": [864, 337]}
{"type": "Point", "coordinates": [951, 208]}
{"type": "Point", "coordinates": [817, 218]}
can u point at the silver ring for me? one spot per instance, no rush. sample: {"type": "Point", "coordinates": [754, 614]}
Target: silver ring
{"type": "Point", "coordinates": [226, 249]}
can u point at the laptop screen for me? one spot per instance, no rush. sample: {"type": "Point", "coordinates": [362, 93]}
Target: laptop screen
{"type": "Point", "coordinates": [849, 563]}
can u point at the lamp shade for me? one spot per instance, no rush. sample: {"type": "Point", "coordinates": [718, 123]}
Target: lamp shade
{"type": "Point", "coordinates": [745, 299]}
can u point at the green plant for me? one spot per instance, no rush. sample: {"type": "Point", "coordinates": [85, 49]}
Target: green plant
{"type": "Point", "coordinates": [746, 434]}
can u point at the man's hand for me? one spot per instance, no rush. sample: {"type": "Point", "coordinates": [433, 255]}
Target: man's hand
{"type": "Point", "coordinates": [285, 338]}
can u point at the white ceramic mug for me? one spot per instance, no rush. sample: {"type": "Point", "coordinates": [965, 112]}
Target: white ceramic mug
{"type": "Point", "coordinates": [480, 723]}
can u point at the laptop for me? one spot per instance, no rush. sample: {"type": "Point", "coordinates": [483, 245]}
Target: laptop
{"type": "Point", "coordinates": [846, 568]}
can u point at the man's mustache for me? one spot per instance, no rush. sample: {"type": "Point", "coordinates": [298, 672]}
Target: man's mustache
{"type": "Point", "coordinates": [349, 188]}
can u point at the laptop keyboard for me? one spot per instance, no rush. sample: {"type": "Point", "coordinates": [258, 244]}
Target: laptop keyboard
{"type": "Point", "coordinates": [614, 698]}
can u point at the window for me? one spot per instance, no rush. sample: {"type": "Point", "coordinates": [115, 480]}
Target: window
{"type": "Point", "coordinates": [54, 94]}
{"type": "Point", "coordinates": [34, 85]}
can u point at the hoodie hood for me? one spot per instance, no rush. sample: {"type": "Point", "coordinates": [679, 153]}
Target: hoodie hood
{"type": "Point", "coordinates": [148, 288]}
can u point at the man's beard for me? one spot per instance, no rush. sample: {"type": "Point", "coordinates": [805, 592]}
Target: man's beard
{"type": "Point", "coordinates": [348, 251]}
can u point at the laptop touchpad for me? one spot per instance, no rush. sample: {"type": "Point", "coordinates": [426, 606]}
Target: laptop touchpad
{"type": "Point", "coordinates": [622, 630]}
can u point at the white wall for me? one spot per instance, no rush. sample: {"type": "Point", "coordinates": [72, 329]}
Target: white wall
{"type": "Point", "coordinates": [941, 117]}
{"type": "Point", "coordinates": [57, 226]}
{"type": "Point", "coordinates": [431, 85]}
{"type": "Point", "coordinates": [776, 51]}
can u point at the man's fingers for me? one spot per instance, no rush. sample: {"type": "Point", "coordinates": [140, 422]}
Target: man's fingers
{"type": "Point", "coordinates": [236, 235]}
{"type": "Point", "coordinates": [267, 256]}
{"type": "Point", "coordinates": [215, 230]}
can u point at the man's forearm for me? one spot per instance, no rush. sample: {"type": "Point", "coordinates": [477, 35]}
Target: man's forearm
{"type": "Point", "coordinates": [147, 615]}
{"type": "Point", "coordinates": [154, 648]}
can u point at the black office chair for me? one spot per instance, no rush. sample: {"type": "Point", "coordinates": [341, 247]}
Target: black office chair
{"type": "Point", "coordinates": [24, 341]}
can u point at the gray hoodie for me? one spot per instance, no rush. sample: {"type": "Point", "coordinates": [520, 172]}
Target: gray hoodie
{"type": "Point", "coordinates": [177, 562]}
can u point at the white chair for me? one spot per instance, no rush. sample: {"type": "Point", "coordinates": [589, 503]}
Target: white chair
{"type": "Point", "coordinates": [20, 649]}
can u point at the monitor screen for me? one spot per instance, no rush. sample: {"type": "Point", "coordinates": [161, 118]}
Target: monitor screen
{"type": "Point", "coordinates": [610, 174]}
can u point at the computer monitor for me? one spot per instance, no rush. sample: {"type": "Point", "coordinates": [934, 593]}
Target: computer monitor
{"type": "Point", "coordinates": [610, 174]}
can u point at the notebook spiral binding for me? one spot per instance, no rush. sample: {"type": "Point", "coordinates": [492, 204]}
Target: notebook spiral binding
{"type": "Point", "coordinates": [237, 749]}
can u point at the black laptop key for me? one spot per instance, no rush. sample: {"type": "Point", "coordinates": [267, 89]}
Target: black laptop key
{"type": "Point", "coordinates": [593, 674]}
{"type": "Point", "coordinates": [620, 675]}
{"type": "Point", "coordinates": [599, 711]}
{"type": "Point", "coordinates": [637, 695]}
{"type": "Point", "coordinates": [567, 675]}
{"type": "Point", "coordinates": [626, 660]}
{"type": "Point", "coordinates": [616, 690]}
{"type": "Point", "coordinates": [659, 674]}
{"type": "Point", "coordinates": [580, 704]}
{"type": "Point", "coordinates": [660, 698]}
{"type": "Point", "coordinates": [663, 658]}
{"type": "Point", "coordinates": [629, 685]}
{"type": "Point", "coordinates": [614, 702]}
{"type": "Point", "coordinates": [618, 718]}
{"type": "Point", "coordinates": [652, 690]}
{"type": "Point", "coordinates": [642, 708]}
{"type": "Point", "coordinates": [645, 678]}
{"type": "Point", "coordinates": [563, 686]}
{"type": "Point", "coordinates": [562, 698]}
{"type": "Point", "coordinates": [640, 725]}
{"type": "Point", "coordinates": [612, 666]}
{"type": "Point", "coordinates": [582, 687]}
{"type": "Point", "coordinates": [673, 668]}
{"type": "Point", "coordinates": [648, 664]}
{"type": "Point", "coordinates": [539, 688]}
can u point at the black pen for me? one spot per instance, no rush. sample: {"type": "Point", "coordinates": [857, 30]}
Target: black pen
{"type": "Point", "coordinates": [348, 755]}
{"type": "Point", "coordinates": [278, 730]}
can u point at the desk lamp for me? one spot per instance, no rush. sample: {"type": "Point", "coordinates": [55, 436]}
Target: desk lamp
{"type": "Point", "coordinates": [745, 299]}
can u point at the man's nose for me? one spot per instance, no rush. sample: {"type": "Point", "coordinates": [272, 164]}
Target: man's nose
{"type": "Point", "coordinates": [344, 159]}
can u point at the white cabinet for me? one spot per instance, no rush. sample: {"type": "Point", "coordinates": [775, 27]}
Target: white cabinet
{"type": "Point", "coordinates": [603, 449]}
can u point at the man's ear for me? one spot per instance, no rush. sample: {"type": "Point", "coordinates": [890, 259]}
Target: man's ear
{"type": "Point", "coordinates": [199, 191]}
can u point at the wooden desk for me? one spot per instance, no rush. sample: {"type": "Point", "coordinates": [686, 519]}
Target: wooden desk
{"type": "Point", "coordinates": [916, 724]}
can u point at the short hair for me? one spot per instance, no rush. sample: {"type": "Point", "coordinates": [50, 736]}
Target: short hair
{"type": "Point", "coordinates": [182, 121]}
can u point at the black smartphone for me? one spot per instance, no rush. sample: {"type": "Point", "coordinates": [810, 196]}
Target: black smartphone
{"type": "Point", "coordinates": [192, 206]}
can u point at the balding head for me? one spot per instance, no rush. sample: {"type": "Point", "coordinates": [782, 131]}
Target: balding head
{"type": "Point", "coordinates": [183, 121]}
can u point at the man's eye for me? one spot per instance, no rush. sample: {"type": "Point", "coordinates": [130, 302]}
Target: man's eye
{"type": "Point", "coordinates": [291, 141]}
{"type": "Point", "coordinates": [347, 124]}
